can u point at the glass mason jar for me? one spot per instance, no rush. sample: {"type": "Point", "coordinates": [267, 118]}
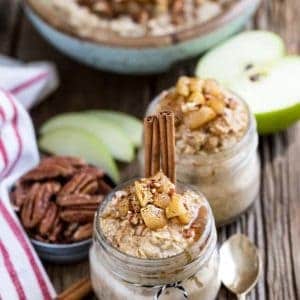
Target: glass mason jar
{"type": "Point", "coordinates": [189, 275]}
{"type": "Point", "coordinates": [229, 179]}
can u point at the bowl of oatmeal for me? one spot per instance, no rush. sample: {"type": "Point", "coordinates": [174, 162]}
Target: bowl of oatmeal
{"type": "Point", "coordinates": [216, 144]}
{"type": "Point", "coordinates": [135, 36]}
{"type": "Point", "coordinates": [152, 239]}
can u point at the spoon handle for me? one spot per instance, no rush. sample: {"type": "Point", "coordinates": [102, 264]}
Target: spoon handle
{"type": "Point", "coordinates": [241, 296]}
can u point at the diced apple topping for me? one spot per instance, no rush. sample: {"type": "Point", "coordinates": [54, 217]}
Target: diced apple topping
{"type": "Point", "coordinates": [161, 200]}
{"type": "Point", "coordinates": [196, 85]}
{"type": "Point", "coordinates": [152, 203]}
{"type": "Point", "coordinates": [143, 193]}
{"type": "Point", "coordinates": [153, 217]}
{"type": "Point", "coordinates": [175, 207]}
{"type": "Point", "coordinates": [185, 218]}
{"type": "Point", "coordinates": [218, 105]}
{"type": "Point", "coordinates": [201, 101]}
{"type": "Point", "coordinates": [196, 98]}
{"type": "Point", "coordinates": [198, 118]}
{"type": "Point", "coordinates": [182, 86]}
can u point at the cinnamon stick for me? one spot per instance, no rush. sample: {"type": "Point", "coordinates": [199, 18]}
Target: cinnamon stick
{"type": "Point", "coordinates": [148, 130]}
{"type": "Point", "coordinates": [167, 139]}
{"type": "Point", "coordinates": [170, 121]}
{"type": "Point", "coordinates": [155, 154]}
{"type": "Point", "coordinates": [159, 144]}
{"type": "Point", "coordinates": [77, 291]}
{"type": "Point", "coordinates": [163, 142]}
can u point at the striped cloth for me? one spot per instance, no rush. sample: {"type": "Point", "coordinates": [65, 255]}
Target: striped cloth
{"type": "Point", "coordinates": [22, 275]}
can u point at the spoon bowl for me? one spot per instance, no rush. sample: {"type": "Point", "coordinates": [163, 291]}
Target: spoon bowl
{"type": "Point", "coordinates": [240, 265]}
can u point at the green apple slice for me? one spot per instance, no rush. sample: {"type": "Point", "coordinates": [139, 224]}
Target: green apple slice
{"type": "Point", "coordinates": [254, 66]}
{"type": "Point", "coordinates": [240, 55]}
{"type": "Point", "coordinates": [81, 143]}
{"type": "Point", "coordinates": [275, 96]}
{"type": "Point", "coordinates": [111, 135]}
{"type": "Point", "coordinates": [130, 125]}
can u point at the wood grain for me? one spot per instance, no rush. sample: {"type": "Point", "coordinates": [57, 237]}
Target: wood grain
{"type": "Point", "coordinates": [273, 223]}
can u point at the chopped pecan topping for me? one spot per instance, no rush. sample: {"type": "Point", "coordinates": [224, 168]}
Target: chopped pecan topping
{"type": "Point", "coordinates": [140, 11]}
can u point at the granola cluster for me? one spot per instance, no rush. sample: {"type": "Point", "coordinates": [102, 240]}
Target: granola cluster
{"type": "Point", "coordinates": [56, 201]}
{"type": "Point", "coordinates": [150, 208]}
{"type": "Point", "coordinates": [208, 118]}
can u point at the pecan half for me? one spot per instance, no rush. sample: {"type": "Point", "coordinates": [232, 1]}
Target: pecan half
{"type": "Point", "coordinates": [27, 213]}
{"type": "Point", "coordinates": [18, 195]}
{"type": "Point", "coordinates": [99, 174]}
{"type": "Point", "coordinates": [49, 219]}
{"type": "Point", "coordinates": [92, 207]}
{"type": "Point", "coordinates": [56, 230]}
{"type": "Point", "coordinates": [43, 196]}
{"type": "Point", "coordinates": [69, 231]}
{"type": "Point", "coordinates": [49, 170]}
{"type": "Point", "coordinates": [83, 232]}
{"type": "Point", "coordinates": [77, 215]}
{"type": "Point", "coordinates": [79, 199]}
{"type": "Point", "coordinates": [81, 183]}
{"type": "Point", "coordinates": [65, 160]}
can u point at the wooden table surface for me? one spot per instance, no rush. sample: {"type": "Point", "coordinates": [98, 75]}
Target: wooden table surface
{"type": "Point", "coordinates": [273, 224]}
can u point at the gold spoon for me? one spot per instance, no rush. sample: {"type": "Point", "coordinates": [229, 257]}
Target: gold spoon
{"type": "Point", "coordinates": [240, 265]}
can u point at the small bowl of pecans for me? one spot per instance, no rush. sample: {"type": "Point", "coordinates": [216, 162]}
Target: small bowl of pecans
{"type": "Point", "coordinates": [56, 202]}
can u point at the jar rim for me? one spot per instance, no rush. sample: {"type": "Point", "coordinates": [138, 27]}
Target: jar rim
{"type": "Point", "coordinates": [208, 236]}
{"type": "Point", "coordinates": [227, 152]}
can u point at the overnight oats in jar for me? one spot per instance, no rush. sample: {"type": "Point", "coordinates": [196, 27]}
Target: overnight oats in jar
{"type": "Point", "coordinates": [216, 144]}
{"type": "Point", "coordinates": [153, 240]}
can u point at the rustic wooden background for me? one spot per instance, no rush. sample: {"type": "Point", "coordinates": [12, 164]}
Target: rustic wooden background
{"type": "Point", "coordinates": [273, 224]}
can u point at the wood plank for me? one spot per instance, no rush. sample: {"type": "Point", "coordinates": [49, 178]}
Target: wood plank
{"type": "Point", "coordinates": [9, 18]}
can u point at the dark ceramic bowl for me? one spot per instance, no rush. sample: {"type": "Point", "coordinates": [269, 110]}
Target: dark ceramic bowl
{"type": "Point", "coordinates": [62, 253]}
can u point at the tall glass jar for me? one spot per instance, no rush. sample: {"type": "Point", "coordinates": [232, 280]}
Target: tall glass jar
{"type": "Point", "coordinates": [189, 275]}
{"type": "Point", "coordinates": [230, 179]}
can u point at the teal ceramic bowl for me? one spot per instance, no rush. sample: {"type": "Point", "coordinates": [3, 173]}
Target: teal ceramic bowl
{"type": "Point", "coordinates": [141, 55]}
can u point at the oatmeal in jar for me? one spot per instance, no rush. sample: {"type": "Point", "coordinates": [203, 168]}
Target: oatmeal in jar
{"type": "Point", "coordinates": [150, 220]}
{"type": "Point", "coordinates": [216, 143]}
{"type": "Point", "coordinates": [152, 239]}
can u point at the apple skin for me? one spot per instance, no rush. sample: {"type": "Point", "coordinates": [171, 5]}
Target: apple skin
{"type": "Point", "coordinates": [110, 133]}
{"type": "Point", "coordinates": [131, 126]}
{"type": "Point", "coordinates": [274, 121]}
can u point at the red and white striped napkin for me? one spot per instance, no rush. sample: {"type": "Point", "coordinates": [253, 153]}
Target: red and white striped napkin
{"type": "Point", "coordinates": [22, 275]}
